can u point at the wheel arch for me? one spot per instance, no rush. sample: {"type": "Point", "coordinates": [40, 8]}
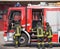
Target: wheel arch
{"type": "Point", "coordinates": [27, 34]}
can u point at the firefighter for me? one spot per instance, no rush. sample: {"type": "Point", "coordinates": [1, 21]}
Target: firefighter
{"type": "Point", "coordinates": [49, 34]}
{"type": "Point", "coordinates": [17, 29]}
{"type": "Point", "coordinates": [40, 35]}
{"type": "Point", "coordinates": [17, 35]}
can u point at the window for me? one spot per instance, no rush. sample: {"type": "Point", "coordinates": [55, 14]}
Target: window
{"type": "Point", "coordinates": [37, 15]}
{"type": "Point", "coordinates": [13, 13]}
{"type": "Point", "coordinates": [1, 16]}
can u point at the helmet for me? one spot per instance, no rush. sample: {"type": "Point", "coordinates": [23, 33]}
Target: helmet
{"type": "Point", "coordinates": [39, 23]}
{"type": "Point", "coordinates": [47, 24]}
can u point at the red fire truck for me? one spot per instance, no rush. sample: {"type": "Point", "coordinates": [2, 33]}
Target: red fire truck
{"type": "Point", "coordinates": [28, 18]}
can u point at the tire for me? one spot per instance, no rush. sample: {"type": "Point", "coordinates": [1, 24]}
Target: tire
{"type": "Point", "coordinates": [23, 40]}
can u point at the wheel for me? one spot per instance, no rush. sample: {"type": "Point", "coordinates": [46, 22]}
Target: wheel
{"type": "Point", "coordinates": [23, 40]}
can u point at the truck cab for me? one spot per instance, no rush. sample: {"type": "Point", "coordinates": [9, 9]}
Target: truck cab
{"type": "Point", "coordinates": [9, 18]}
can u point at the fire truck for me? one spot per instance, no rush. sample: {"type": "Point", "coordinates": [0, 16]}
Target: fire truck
{"type": "Point", "coordinates": [29, 16]}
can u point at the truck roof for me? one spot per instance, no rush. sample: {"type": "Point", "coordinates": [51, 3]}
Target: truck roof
{"type": "Point", "coordinates": [16, 7]}
{"type": "Point", "coordinates": [41, 7]}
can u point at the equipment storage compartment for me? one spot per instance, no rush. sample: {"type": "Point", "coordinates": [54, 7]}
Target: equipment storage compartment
{"type": "Point", "coordinates": [52, 18]}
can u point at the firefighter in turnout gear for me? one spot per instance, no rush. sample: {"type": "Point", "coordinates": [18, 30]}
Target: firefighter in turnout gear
{"type": "Point", "coordinates": [17, 28]}
{"type": "Point", "coordinates": [40, 35]}
{"type": "Point", "coordinates": [49, 34]}
{"type": "Point", "coordinates": [17, 34]}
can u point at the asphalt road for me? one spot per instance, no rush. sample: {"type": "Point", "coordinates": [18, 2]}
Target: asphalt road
{"type": "Point", "coordinates": [9, 46]}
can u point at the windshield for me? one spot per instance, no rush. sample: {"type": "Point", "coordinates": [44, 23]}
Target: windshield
{"type": "Point", "coordinates": [14, 15]}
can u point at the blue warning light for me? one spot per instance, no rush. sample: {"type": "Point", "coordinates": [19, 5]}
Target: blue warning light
{"type": "Point", "coordinates": [17, 4]}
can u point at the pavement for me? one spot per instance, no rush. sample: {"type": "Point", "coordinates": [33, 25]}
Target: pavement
{"type": "Point", "coordinates": [3, 45]}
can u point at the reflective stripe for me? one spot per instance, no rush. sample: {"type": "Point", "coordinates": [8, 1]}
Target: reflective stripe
{"type": "Point", "coordinates": [14, 37]}
{"type": "Point", "coordinates": [49, 42]}
{"type": "Point", "coordinates": [39, 43]}
{"type": "Point", "coordinates": [39, 35]}
{"type": "Point", "coordinates": [24, 25]}
{"type": "Point", "coordinates": [42, 42]}
{"type": "Point", "coordinates": [50, 36]}
{"type": "Point", "coordinates": [17, 34]}
{"type": "Point", "coordinates": [43, 31]}
{"type": "Point", "coordinates": [16, 42]}
{"type": "Point", "coordinates": [33, 30]}
{"type": "Point", "coordinates": [40, 32]}
{"type": "Point", "coordinates": [18, 31]}
{"type": "Point", "coordinates": [47, 33]}
{"type": "Point", "coordinates": [50, 32]}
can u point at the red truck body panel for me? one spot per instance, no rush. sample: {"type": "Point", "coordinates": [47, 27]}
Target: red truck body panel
{"type": "Point", "coordinates": [22, 17]}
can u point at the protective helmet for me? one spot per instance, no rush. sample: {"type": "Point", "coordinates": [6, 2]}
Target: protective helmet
{"type": "Point", "coordinates": [47, 24]}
